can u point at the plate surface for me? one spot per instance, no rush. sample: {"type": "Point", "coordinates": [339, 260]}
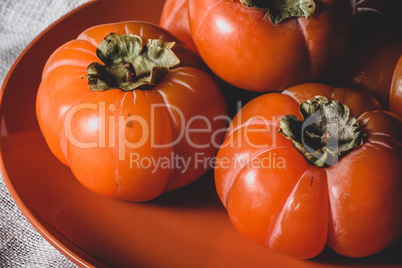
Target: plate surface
{"type": "Point", "coordinates": [185, 228]}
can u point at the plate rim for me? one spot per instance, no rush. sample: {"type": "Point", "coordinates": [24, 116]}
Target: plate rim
{"type": "Point", "coordinates": [43, 229]}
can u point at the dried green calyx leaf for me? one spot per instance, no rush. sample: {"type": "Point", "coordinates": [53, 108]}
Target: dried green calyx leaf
{"type": "Point", "coordinates": [326, 132]}
{"type": "Point", "coordinates": [129, 65]}
{"type": "Point", "coordinates": [279, 10]}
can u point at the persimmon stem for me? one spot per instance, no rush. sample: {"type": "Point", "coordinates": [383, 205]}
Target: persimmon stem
{"type": "Point", "coordinates": [130, 72]}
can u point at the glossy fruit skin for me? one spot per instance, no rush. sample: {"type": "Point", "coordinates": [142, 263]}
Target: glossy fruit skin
{"type": "Point", "coordinates": [102, 136]}
{"type": "Point", "coordinates": [372, 56]}
{"type": "Point", "coordinates": [389, 8]}
{"type": "Point", "coordinates": [174, 17]}
{"type": "Point", "coordinates": [395, 98]}
{"type": "Point", "coordinates": [289, 205]}
{"type": "Point", "coordinates": [245, 49]}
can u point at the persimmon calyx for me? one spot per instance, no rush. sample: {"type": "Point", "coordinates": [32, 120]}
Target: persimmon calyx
{"type": "Point", "coordinates": [326, 132]}
{"type": "Point", "coordinates": [129, 65]}
{"type": "Point", "coordinates": [279, 10]}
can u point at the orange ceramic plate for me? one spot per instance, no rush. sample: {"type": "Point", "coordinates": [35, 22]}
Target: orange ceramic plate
{"type": "Point", "coordinates": [185, 228]}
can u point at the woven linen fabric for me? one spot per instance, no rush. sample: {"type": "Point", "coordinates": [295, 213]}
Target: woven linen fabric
{"type": "Point", "coordinates": [20, 22]}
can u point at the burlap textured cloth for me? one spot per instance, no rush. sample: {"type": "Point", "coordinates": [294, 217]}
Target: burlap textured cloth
{"type": "Point", "coordinates": [20, 22]}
